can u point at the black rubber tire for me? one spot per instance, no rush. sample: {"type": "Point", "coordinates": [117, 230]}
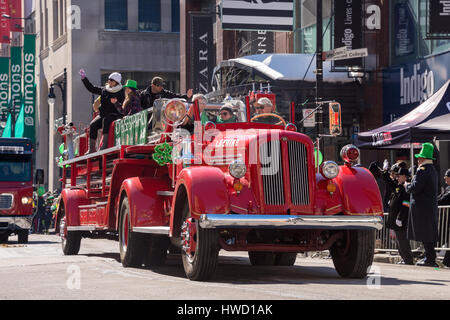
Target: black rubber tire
{"type": "Point", "coordinates": [259, 258]}
{"type": "Point", "coordinates": [157, 250]}
{"type": "Point", "coordinates": [22, 237]}
{"type": "Point", "coordinates": [4, 237]}
{"type": "Point", "coordinates": [354, 263]}
{"type": "Point", "coordinates": [285, 258]}
{"type": "Point", "coordinates": [202, 264]}
{"type": "Point", "coordinates": [132, 249]}
{"type": "Point", "coordinates": [70, 243]}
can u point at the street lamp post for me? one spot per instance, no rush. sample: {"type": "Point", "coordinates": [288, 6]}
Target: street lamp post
{"type": "Point", "coordinates": [63, 87]}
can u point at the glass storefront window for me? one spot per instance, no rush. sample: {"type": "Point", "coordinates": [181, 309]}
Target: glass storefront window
{"type": "Point", "coordinates": [175, 16]}
{"type": "Point", "coordinates": [149, 15]}
{"type": "Point", "coordinates": [116, 15]}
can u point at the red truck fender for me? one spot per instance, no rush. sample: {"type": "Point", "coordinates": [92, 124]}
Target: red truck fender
{"type": "Point", "coordinates": [359, 191]}
{"type": "Point", "coordinates": [206, 191]}
{"type": "Point", "coordinates": [71, 199]}
{"type": "Point", "coordinates": [146, 206]}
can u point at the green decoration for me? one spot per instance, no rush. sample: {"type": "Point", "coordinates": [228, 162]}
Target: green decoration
{"type": "Point", "coordinates": [41, 191]}
{"type": "Point", "coordinates": [61, 148]}
{"type": "Point", "coordinates": [163, 154]}
{"type": "Point", "coordinates": [318, 158]}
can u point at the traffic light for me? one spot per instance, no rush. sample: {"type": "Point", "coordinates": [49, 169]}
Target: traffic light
{"type": "Point", "coordinates": [335, 118]}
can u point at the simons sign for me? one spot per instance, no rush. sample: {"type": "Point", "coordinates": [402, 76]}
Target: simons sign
{"type": "Point", "coordinates": [29, 85]}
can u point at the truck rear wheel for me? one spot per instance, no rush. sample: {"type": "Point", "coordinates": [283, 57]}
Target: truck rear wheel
{"type": "Point", "coordinates": [199, 248]}
{"type": "Point", "coordinates": [285, 258]}
{"type": "Point", "coordinates": [258, 258]}
{"type": "Point", "coordinates": [22, 236]}
{"type": "Point", "coordinates": [70, 240]}
{"type": "Point", "coordinates": [353, 255]}
{"type": "Point", "coordinates": [132, 245]}
{"type": "Point", "coordinates": [157, 250]}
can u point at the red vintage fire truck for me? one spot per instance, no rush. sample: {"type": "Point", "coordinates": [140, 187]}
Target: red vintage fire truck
{"type": "Point", "coordinates": [241, 185]}
{"type": "Point", "coordinates": [16, 188]}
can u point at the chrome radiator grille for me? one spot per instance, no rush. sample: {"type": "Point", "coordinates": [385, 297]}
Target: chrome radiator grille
{"type": "Point", "coordinates": [272, 172]}
{"type": "Point", "coordinates": [6, 201]}
{"type": "Point", "coordinates": [298, 170]}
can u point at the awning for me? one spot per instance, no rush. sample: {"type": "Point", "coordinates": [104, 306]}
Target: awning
{"type": "Point", "coordinates": [430, 119]}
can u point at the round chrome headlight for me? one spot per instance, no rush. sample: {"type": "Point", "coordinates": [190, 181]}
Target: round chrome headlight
{"type": "Point", "coordinates": [237, 169]}
{"type": "Point", "coordinates": [329, 169]}
{"type": "Point", "coordinates": [175, 110]}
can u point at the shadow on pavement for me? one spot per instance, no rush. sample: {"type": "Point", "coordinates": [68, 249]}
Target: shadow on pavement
{"type": "Point", "coordinates": [107, 255]}
{"type": "Point", "coordinates": [239, 271]}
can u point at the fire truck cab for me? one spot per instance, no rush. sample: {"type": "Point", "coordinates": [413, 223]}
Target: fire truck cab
{"type": "Point", "coordinates": [181, 177]}
{"type": "Point", "coordinates": [16, 188]}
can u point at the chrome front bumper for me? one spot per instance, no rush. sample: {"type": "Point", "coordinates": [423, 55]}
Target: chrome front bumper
{"type": "Point", "coordinates": [13, 222]}
{"type": "Point", "coordinates": [209, 221]}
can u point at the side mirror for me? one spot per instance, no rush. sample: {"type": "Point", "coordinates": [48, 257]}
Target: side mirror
{"type": "Point", "coordinates": [39, 176]}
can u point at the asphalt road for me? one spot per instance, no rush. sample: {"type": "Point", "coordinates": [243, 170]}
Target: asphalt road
{"type": "Point", "coordinates": [39, 270]}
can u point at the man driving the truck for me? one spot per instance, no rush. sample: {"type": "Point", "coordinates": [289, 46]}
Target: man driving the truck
{"type": "Point", "coordinates": [265, 112]}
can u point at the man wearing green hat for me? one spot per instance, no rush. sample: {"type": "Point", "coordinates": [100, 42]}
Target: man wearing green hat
{"type": "Point", "coordinates": [423, 211]}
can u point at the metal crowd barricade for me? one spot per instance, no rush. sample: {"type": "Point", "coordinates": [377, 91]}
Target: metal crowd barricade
{"type": "Point", "coordinates": [386, 241]}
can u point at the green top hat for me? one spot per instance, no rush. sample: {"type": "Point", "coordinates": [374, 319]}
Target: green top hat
{"type": "Point", "coordinates": [131, 84]}
{"type": "Point", "coordinates": [426, 152]}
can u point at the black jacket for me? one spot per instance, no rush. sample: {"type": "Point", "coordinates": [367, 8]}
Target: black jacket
{"type": "Point", "coordinates": [444, 197]}
{"type": "Point", "coordinates": [147, 97]}
{"type": "Point", "coordinates": [398, 204]}
{"type": "Point", "coordinates": [423, 212]}
{"type": "Point", "coordinates": [106, 106]}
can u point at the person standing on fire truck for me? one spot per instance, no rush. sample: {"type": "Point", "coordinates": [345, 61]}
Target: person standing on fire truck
{"type": "Point", "coordinates": [156, 91]}
{"type": "Point", "coordinates": [111, 95]}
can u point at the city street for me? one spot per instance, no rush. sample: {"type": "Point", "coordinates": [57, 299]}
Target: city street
{"type": "Point", "coordinates": [39, 270]}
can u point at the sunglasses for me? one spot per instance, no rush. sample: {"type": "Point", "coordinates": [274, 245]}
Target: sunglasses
{"type": "Point", "coordinates": [224, 113]}
{"type": "Point", "coordinates": [259, 108]}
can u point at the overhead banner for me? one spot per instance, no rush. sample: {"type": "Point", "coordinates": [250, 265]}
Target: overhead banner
{"type": "Point", "coordinates": [203, 53]}
{"type": "Point", "coordinates": [347, 29]}
{"type": "Point", "coordinates": [4, 22]}
{"type": "Point", "coordinates": [16, 78]}
{"type": "Point", "coordinates": [439, 17]}
{"type": "Point", "coordinates": [273, 15]}
{"type": "Point", "coordinates": [15, 9]}
{"type": "Point", "coordinates": [29, 86]}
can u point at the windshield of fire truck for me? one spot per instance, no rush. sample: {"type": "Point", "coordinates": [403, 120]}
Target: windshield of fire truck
{"type": "Point", "coordinates": [13, 168]}
{"type": "Point", "coordinates": [235, 111]}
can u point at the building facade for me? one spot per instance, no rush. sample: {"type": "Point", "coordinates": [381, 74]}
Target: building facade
{"type": "Point", "coordinates": [138, 38]}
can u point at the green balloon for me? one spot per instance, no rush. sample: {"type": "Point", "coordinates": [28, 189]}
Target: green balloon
{"type": "Point", "coordinates": [318, 158]}
{"type": "Point", "coordinates": [61, 148]}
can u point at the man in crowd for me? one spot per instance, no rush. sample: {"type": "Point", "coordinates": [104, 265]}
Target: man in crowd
{"type": "Point", "coordinates": [156, 91]}
{"type": "Point", "coordinates": [423, 212]}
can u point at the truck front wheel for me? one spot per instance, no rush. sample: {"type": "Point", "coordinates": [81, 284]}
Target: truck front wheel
{"type": "Point", "coordinates": [199, 248]}
{"type": "Point", "coordinates": [70, 240]}
{"type": "Point", "coordinates": [353, 254]}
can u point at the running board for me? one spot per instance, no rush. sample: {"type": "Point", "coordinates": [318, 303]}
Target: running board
{"type": "Point", "coordinates": [152, 230]}
{"type": "Point", "coordinates": [82, 228]}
